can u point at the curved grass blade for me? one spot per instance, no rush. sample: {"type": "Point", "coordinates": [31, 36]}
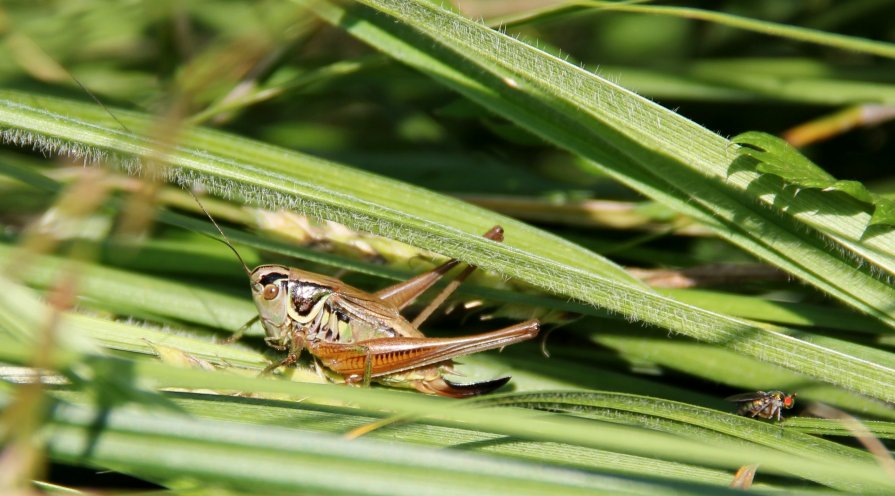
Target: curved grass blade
{"type": "Point", "coordinates": [701, 423]}
{"type": "Point", "coordinates": [271, 459]}
{"type": "Point", "coordinates": [798, 33]}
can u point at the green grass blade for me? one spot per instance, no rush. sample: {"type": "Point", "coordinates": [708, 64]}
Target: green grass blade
{"type": "Point", "coordinates": [849, 474]}
{"type": "Point", "coordinates": [703, 422]}
{"type": "Point", "coordinates": [416, 121]}
{"type": "Point", "coordinates": [274, 459]}
{"type": "Point", "coordinates": [797, 33]}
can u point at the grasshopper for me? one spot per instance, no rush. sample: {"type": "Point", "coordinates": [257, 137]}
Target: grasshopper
{"type": "Point", "coordinates": [362, 336]}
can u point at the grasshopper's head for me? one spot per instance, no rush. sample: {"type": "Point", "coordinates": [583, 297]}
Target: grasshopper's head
{"type": "Point", "coordinates": [270, 286]}
{"type": "Point", "coordinates": [287, 297]}
{"type": "Point", "coordinates": [270, 290]}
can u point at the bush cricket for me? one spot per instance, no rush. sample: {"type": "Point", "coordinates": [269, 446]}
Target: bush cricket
{"type": "Point", "coordinates": [362, 336]}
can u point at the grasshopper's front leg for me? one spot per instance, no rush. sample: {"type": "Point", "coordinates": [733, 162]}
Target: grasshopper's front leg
{"type": "Point", "coordinates": [297, 343]}
{"type": "Point", "coordinates": [236, 336]}
{"type": "Point", "coordinates": [417, 361]}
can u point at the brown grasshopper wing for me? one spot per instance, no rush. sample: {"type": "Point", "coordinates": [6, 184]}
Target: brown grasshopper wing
{"type": "Point", "coordinates": [361, 306]}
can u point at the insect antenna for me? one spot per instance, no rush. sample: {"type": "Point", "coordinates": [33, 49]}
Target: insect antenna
{"type": "Point", "coordinates": [225, 239]}
{"type": "Point", "coordinates": [95, 99]}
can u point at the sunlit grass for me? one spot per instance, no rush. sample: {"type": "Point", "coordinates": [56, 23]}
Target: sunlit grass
{"type": "Point", "coordinates": [113, 286]}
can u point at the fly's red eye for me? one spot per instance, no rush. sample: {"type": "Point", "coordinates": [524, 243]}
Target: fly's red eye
{"type": "Point", "coordinates": [787, 401]}
{"type": "Point", "coordinates": [270, 291]}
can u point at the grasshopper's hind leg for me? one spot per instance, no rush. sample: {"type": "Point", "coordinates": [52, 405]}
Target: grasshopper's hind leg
{"type": "Point", "coordinates": [419, 363]}
{"type": "Point", "coordinates": [439, 385]}
{"type": "Point", "coordinates": [404, 293]}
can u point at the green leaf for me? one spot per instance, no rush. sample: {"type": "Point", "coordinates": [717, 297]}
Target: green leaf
{"type": "Point", "coordinates": [74, 436]}
{"type": "Point", "coordinates": [648, 148]}
{"type": "Point", "coordinates": [271, 459]}
{"type": "Point", "coordinates": [883, 211]}
{"type": "Point", "coordinates": [776, 156]}
{"type": "Point", "coordinates": [176, 437]}
{"type": "Point", "coordinates": [704, 423]}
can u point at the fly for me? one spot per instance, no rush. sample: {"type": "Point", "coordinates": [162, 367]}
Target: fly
{"type": "Point", "coordinates": [763, 404]}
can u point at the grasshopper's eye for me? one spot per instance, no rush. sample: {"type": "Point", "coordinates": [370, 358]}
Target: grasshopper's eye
{"type": "Point", "coordinates": [270, 291]}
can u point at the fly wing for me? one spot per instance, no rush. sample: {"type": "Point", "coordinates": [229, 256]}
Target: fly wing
{"type": "Point", "coordinates": [739, 398]}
